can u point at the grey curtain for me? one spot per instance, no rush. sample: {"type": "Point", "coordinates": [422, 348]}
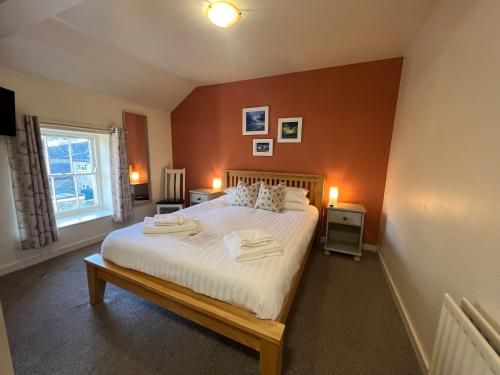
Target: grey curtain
{"type": "Point", "coordinates": [120, 184]}
{"type": "Point", "coordinates": [30, 185]}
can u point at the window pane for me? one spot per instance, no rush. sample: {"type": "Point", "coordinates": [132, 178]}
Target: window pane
{"type": "Point", "coordinates": [80, 152]}
{"type": "Point", "coordinates": [65, 194]}
{"type": "Point", "coordinates": [64, 187]}
{"type": "Point", "coordinates": [87, 191]}
{"type": "Point", "coordinates": [58, 155]}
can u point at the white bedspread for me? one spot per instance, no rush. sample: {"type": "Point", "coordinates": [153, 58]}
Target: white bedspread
{"type": "Point", "coordinates": [259, 286]}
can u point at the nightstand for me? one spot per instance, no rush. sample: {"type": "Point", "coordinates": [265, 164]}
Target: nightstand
{"type": "Point", "coordinates": [344, 229]}
{"type": "Point", "coordinates": [203, 195]}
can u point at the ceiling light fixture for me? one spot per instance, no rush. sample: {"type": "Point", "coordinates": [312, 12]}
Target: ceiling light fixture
{"type": "Point", "coordinates": [222, 13]}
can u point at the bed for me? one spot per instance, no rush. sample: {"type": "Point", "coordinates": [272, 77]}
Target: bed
{"type": "Point", "coordinates": [204, 285]}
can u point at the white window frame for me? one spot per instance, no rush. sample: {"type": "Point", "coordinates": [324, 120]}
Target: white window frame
{"type": "Point", "coordinates": [94, 141]}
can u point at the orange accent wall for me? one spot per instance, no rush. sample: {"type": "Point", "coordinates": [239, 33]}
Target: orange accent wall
{"type": "Point", "coordinates": [348, 115]}
{"type": "Point", "coordinates": [137, 152]}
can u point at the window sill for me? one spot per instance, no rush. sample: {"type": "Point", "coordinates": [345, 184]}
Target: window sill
{"type": "Point", "coordinates": [82, 218]}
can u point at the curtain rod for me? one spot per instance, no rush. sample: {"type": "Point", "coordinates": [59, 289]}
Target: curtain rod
{"type": "Point", "coordinates": [74, 125]}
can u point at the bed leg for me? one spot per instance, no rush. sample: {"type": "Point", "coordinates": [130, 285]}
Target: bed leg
{"type": "Point", "coordinates": [270, 357]}
{"type": "Point", "coordinates": [96, 285]}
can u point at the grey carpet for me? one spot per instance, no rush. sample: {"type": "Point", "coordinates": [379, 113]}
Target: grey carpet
{"type": "Point", "coordinates": [344, 321]}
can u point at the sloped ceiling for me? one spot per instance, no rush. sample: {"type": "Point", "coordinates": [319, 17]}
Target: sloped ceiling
{"type": "Point", "coordinates": [155, 52]}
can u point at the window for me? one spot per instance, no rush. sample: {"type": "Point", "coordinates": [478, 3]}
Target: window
{"type": "Point", "coordinates": [72, 166]}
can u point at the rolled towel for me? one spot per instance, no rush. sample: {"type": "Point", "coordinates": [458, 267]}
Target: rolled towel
{"type": "Point", "coordinates": [168, 219]}
{"type": "Point", "coordinates": [245, 254]}
{"type": "Point", "coordinates": [252, 237]}
{"type": "Point", "coordinates": [148, 227]}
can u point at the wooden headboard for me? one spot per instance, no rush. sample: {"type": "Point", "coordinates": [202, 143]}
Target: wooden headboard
{"type": "Point", "coordinates": [312, 182]}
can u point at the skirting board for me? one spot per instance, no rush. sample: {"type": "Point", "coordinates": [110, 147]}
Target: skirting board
{"type": "Point", "coordinates": [23, 263]}
{"type": "Point", "coordinates": [423, 360]}
{"type": "Point", "coordinates": [365, 246]}
{"type": "Point", "coordinates": [368, 247]}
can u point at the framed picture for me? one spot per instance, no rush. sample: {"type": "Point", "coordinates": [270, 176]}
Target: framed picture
{"type": "Point", "coordinates": [262, 147]}
{"type": "Point", "coordinates": [255, 120]}
{"type": "Point", "coordinates": [290, 130]}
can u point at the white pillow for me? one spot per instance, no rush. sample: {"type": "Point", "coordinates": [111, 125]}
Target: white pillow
{"type": "Point", "coordinates": [293, 194]}
{"type": "Point", "coordinates": [230, 195]}
{"type": "Point", "coordinates": [296, 206]}
{"type": "Point", "coordinates": [230, 190]}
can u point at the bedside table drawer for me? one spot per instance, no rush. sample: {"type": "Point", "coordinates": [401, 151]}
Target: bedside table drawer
{"type": "Point", "coordinates": [343, 217]}
{"type": "Point", "coordinates": [199, 198]}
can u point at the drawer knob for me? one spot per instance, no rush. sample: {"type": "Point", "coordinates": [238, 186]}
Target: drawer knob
{"type": "Point", "coordinates": [344, 218]}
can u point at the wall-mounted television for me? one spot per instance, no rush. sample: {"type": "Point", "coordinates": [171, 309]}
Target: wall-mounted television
{"type": "Point", "coordinates": [7, 112]}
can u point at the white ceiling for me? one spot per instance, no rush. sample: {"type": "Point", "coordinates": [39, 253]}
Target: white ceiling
{"type": "Point", "coordinates": [156, 51]}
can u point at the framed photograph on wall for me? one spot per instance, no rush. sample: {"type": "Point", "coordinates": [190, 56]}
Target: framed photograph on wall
{"type": "Point", "coordinates": [262, 147]}
{"type": "Point", "coordinates": [255, 120]}
{"type": "Point", "coordinates": [290, 130]}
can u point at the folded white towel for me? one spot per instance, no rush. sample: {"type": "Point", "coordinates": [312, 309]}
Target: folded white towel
{"type": "Point", "coordinates": [149, 227]}
{"type": "Point", "coordinates": [252, 237]}
{"type": "Point", "coordinates": [169, 219]}
{"type": "Point", "coordinates": [245, 254]}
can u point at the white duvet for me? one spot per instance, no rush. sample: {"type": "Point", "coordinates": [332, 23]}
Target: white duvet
{"type": "Point", "coordinates": [259, 286]}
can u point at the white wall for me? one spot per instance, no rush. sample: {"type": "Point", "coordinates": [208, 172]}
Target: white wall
{"type": "Point", "coordinates": [441, 214]}
{"type": "Point", "coordinates": [57, 101]}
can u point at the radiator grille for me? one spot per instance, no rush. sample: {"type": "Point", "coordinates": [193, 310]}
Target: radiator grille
{"type": "Point", "coordinates": [459, 347]}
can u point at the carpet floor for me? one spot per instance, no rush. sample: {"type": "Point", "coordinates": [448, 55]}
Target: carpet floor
{"type": "Point", "coordinates": [343, 321]}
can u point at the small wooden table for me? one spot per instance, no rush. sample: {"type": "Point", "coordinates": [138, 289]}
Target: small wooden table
{"type": "Point", "coordinates": [203, 195]}
{"type": "Point", "coordinates": [344, 229]}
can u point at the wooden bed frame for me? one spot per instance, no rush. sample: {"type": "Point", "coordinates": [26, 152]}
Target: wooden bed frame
{"type": "Point", "coordinates": [265, 336]}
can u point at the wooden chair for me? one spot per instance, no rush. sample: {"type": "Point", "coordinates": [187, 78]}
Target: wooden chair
{"type": "Point", "coordinates": [175, 190]}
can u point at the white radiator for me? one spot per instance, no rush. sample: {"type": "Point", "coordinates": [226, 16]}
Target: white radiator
{"type": "Point", "coordinates": [460, 348]}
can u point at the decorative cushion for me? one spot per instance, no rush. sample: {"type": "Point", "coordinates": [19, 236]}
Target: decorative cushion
{"type": "Point", "coordinates": [246, 195]}
{"type": "Point", "coordinates": [271, 198]}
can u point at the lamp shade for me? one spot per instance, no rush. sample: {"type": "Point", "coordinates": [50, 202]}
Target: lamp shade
{"type": "Point", "coordinates": [216, 183]}
{"type": "Point", "coordinates": [333, 195]}
{"type": "Point", "coordinates": [134, 176]}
